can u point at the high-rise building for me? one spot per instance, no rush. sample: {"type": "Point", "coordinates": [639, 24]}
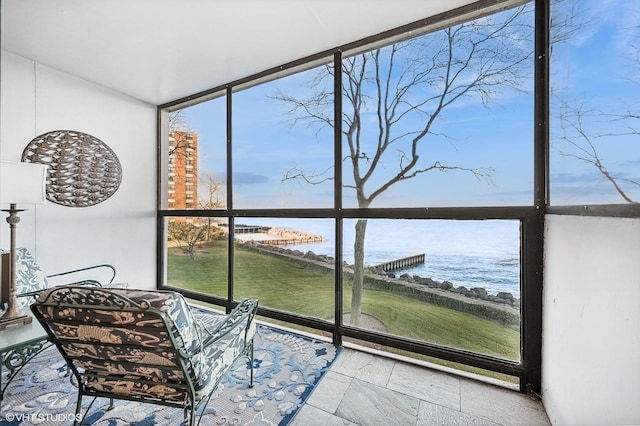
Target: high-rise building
{"type": "Point", "coordinates": [183, 170]}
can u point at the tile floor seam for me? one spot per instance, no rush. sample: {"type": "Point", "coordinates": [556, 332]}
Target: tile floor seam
{"type": "Point", "coordinates": [459, 395]}
{"type": "Point", "coordinates": [342, 374]}
{"type": "Point", "coordinates": [379, 389]}
{"type": "Point", "coordinates": [386, 385]}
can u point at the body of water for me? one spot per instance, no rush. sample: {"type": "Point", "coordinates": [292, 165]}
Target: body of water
{"type": "Point", "coordinates": [470, 253]}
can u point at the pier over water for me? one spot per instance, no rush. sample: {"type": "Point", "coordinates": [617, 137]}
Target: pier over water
{"type": "Point", "coordinates": [405, 262]}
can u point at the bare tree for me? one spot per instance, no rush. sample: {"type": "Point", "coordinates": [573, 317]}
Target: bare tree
{"type": "Point", "coordinates": [568, 20]}
{"type": "Point", "coordinates": [584, 128]}
{"type": "Point", "coordinates": [214, 188]}
{"type": "Point", "coordinates": [178, 121]}
{"type": "Point", "coordinates": [178, 127]}
{"type": "Point", "coordinates": [406, 88]}
{"type": "Point", "coordinates": [581, 141]}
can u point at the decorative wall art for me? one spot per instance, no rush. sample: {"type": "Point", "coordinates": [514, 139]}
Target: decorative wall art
{"type": "Point", "coordinates": [83, 170]}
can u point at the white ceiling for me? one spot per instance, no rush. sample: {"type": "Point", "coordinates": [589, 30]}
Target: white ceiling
{"type": "Point", "coordinates": [162, 50]}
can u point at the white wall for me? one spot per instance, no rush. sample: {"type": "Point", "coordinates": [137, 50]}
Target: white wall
{"type": "Point", "coordinates": [591, 321]}
{"type": "Point", "coordinates": [36, 99]}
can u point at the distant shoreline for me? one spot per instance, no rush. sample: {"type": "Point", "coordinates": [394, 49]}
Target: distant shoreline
{"type": "Point", "coordinates": [274, 233]}
{"type": "Point", "coordinates": [502, 302]}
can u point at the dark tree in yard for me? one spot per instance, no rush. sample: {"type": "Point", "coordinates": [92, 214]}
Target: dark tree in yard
{"type": "Point", "coordinates": [394, 97]}
{"type": "Point", "coordinates": [187, 235]}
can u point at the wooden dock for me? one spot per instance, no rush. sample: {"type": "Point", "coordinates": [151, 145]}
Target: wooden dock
{"type": "Point", "coordinates": [405, 262]}
{"type": "Point", "coordinates": [290, 241]}
{"type": "Point", "coordinates": [250, 229]}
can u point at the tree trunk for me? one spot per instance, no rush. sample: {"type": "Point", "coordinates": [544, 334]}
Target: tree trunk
{"type": "Point", "coordinates": [358, 272]}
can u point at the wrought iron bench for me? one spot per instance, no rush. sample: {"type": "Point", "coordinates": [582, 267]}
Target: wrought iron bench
{"type": "Point", "coordinates": [143, 345]}
{"type": "Point", "coordinates": [31, 280]}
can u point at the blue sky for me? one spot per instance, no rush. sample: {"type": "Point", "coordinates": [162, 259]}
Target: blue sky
{"type": "Point", "coordinates": [595, 68]}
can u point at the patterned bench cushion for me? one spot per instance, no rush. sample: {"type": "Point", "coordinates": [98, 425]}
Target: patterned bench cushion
{"type": "Point", "coordinates": [220, 356]}
{"type": "Point", "coordinates": [29, 276]}
{"type": "Point", "coordinates": [215, 361]}
{"type": "Point", "coordinates": [152, 368]}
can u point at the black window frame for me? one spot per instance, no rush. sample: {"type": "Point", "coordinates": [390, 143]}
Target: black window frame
{"type": "Point", "coordinates": [531, 217]}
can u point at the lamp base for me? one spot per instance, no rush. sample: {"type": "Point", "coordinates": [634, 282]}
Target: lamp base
{"type": "Point", "coordinates": [14, 320]}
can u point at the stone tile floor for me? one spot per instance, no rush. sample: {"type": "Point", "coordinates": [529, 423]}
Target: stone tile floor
{"type": "Point", "coordinates": [365, 389]}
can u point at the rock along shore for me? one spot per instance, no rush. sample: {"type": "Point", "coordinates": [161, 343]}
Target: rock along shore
{"type": "Point", "coordinates": [502, 307]}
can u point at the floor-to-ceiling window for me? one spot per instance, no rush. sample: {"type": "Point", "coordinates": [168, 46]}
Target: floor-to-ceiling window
{"type": "Point", "coordinates": [381, 193]}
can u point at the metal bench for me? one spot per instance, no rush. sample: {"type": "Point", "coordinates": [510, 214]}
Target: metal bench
{"type": "Point", "coordinates": [144, 345]}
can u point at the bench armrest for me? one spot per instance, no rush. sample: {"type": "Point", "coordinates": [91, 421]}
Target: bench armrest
{"type": "Point", "coordinates": [246, 310]}
{"type": "Point", "coordinates": [110, 269]}
{"type": "Point", "coordinates": [36, 293]}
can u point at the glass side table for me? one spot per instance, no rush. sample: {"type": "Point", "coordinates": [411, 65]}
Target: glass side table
{"type": "Point", "coordinates": [18, 345]}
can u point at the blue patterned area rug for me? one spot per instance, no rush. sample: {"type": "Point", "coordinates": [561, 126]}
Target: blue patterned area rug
{"type": "Point", "coordinates": [287, 367]}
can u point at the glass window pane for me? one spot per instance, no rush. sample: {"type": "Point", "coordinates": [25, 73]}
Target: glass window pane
{"type": "Point", "coordinates": [450, 282]}
{"type": "Point", "coordinates": [274, 262]}
{"type": "Point", "coordinates": [197, 254]}
{"type": "Point", "coordinates": [437, 119]}
{"type": "Point", "coordinates": [196, 157]}
{"type": "Point", "coordinates": [280, 158]}
{"type": "Point", "coordinates": [443, 119]}
{"type": "Point", "coordinates": [595, 107]}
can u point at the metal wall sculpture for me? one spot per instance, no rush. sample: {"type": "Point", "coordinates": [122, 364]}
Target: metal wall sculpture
{"type": "Point", "coordinates": [83, 170]}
